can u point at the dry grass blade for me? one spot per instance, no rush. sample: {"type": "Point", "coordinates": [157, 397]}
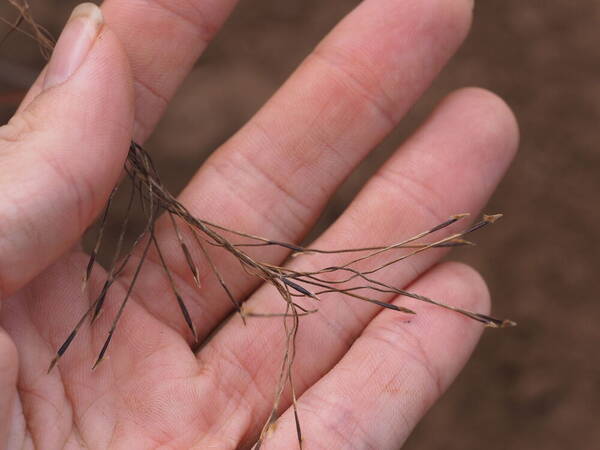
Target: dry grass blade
{"type": "Point", "coordinates": [94, 253]}
{"type": "Point", "coordinates": [180, 302]}
{"type": "Point", "coordinates": [186, 252]}
{"type": "Point", "coordinates": [289, 283]}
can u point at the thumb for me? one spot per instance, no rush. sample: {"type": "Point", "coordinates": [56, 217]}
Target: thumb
{"type": "Point", "coordinates": [62, 153]}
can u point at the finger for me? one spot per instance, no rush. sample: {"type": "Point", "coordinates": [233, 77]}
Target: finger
{"type": "Point", "coordinates": [8, 385]}
{"type": "Point", "coordinates": [61, 155]}
{"type": "Point", "coordinates": [274, 177]}
{"type": "Point", "coordinates": [460, 154]}
{"type": "Point", "coordinates": [33, 92]}
{"type": "Point", "coordinates": [163, 39]}
{"type": "Point", "coordinates": [393, 373]}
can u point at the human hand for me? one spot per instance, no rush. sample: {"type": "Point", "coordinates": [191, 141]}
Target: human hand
{"type": "Point", "coordinates": [364, 376]}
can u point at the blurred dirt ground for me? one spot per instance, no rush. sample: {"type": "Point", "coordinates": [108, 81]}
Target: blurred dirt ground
{"type": "Point", "coordinates": [536, 386]}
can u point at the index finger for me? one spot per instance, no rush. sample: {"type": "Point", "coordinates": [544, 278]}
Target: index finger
{"type": "Point", "coordinates": [163, 39]}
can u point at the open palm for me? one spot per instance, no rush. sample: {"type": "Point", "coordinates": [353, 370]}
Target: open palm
{"type": "Point", "coordinates": [364, 376]}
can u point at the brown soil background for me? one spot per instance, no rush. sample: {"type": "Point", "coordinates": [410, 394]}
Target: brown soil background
{"type": "Point", "coordinates": [536, 386]}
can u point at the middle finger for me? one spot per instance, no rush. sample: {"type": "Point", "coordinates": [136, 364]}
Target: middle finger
{"type": "Point", "coordinates": [276, 174]}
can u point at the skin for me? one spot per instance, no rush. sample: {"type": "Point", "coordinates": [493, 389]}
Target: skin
{"type": "Point", "coordinates": [364, 376]}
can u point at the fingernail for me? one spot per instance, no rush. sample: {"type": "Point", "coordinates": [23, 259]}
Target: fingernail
{"type": "Point", "coordinates": [74, 43]}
